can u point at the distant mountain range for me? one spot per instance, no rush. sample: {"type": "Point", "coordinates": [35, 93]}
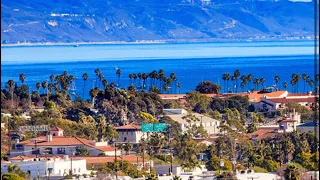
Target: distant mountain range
{"type": "Point", "coordinates": [133, 20]}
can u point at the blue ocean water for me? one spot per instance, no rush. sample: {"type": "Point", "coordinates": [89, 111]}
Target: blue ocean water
{"type": "Point", "coordinates": [192, 62]}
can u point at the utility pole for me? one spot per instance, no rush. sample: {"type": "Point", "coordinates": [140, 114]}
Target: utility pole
{"type": "Point", "coordinates": [115, 158]}
{"type": "Point", "coordinates": [171, 160]}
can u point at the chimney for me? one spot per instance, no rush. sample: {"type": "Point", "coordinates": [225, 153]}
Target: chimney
{"type": "Point", "coordinates": [49, 138]}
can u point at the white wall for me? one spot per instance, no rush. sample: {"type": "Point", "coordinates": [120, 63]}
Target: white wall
{"type": "Point", "coordinates": [131, 136]}
{"type": "Point", "coordinates": [59, 167]}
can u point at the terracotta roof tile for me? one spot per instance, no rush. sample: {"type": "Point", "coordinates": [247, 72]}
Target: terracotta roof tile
{"type": "Point", "coordinates": [262, 134]}
{"type": "Point", "coordinates": [129, 126]}
{"type": "Point", "coordinates": [56, 128]}
{"type": "Point", "coordinates": [66, 141]}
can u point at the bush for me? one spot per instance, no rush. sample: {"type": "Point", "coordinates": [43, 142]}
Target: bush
{"type": "Point", "coordinates": [259, 169]}
{"type": "Point", "coordinates": [11, 176]}
{"type": "Point", "coordinates": [208, 87]}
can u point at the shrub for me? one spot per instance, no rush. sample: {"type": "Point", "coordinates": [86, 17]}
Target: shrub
{"type": "Point", "coordinates": [259, 169]}
{"type": "Point", "coordinates": [11, 176]}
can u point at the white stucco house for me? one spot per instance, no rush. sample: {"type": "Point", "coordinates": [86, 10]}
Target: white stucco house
{"type": "Point", "coordinates": [55, 166]}
{"type": "Point", "coordinates": [130, 133]}
{"type": "Point", "coordinates": [57, 144]}
{"type": "Point", "coordinates": [209, 124]}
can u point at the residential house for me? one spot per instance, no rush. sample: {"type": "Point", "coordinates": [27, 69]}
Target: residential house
{"type": "Point", "coordinates": [43, 166]}
{"type": "Point", "coordinates": [209, 124]}
{"type": "Point", "coordinates": [57, 144]}
{"type": "Point", "coordinates": [130, 133]}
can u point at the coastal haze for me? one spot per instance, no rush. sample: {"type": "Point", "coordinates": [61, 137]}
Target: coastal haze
{"type": "Point", "coordinates": [192, 62]}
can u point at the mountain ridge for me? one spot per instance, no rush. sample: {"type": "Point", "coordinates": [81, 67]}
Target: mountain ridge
{"type": "Point", "coordinates": [71, 21]}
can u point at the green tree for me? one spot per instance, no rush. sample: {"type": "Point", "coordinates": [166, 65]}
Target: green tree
{"type": "Point", "coordinates": [251, 128]}
{"type": "Point", "coordinates": [22, 77]}
{"type": "Point", "coordinates": [85, 78]}
{"type": "Point", "coordinates": [11, 176]}
{"type": "Point", "coordinates": [208, 87]}
{"type": "Point", "coordinates": [119, 75]}
{"type": "Point", "coordinates": [127, 147]}
{"type": "Point", "coordinates": [82, 151]}
{"type": "Point", "coordinates": [292, 172]}
{"type": "Point", "coordinates": [277, 80]}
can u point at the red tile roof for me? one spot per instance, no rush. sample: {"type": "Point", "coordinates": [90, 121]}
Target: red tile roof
{"type": "Point", "coordinates": [262, 134]}
{"type": "Point", "coordinates": [56, 128]}
{"type": "Point", "coordinates": [129, 127]}
{"type": "Point", "coordinates": [292, 100]}
{"type": "Point", "coordinates": [66, 141]}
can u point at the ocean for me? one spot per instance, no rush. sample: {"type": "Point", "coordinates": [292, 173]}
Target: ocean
{"type": "Point", "coordinates": [191, 62]}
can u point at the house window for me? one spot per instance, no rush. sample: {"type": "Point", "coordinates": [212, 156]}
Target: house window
{"type": "Point", "coordinates": [54, 134]}
{"type": "Point", "coordinates": [35, 151]}
{"type": "Point", "coordinates": [131, 132]}
{"type": "Point", "coordinates": [48, 150]}
{"type": "Point", "coordinates": [124, 139]}
{"type": "Point", "coordinates": [79, 170]}
{"type": "Point", "coordinates": [61, 151]}
{"type": "Point", "coordinates": [19, 146]}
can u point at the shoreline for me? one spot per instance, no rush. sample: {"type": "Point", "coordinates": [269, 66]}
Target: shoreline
{"type": "Point", "coordinates": [151, 42]}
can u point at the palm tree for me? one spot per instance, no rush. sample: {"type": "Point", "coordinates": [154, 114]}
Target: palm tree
{"type": "Point", "coordinates": [256, 82]}
{"type": "Point", "coordinates": [140, 77]}
{"type": "Point", "coordinates": [101, 126]}
{"type": "Point", "coordinates": [130, 77]}
{"type": "Point", "coordinates": [118, 74]}
{"type": "Point", "coordinates": [97, 71]}
{"type": "Point", "coordinates": [285, 85]}
{"type": "Point", "coordinates": [144, 78]}
{"type": "Point", "coordinates": [233, 79]}
{"type": "Point", "coordinates": [94, 93]}
{"type": "Point", "coordinates": [161, 77]}
{"type": "Point", "coordinates": [22, 77]}
{"type": "Point", "coordinates": [175, 177]}
{"type": "Point", "coordinates": [179, 87]}
{"type": "Point", "coordinates": [165, 87]}
{"type": "Point", "coordinates": [65, 74]}
{"type": "Point", "coordinates": [52, 78]}
{"type": "Point", "coordinates": [127, 147]}
{"type": "Point", "coordinates": [244, 80]}
{"type": "Point", "coordinates": [174, 79]}
{"type": "Point", "coordinates": [100, 78]}
{"type": "Point", "coordinates": [10, 85]}
{"type": "Point", "coordinates": [262, 80]}
{"type": "Point", "coordinates": [249, 78]}
{"type": "Point", "coordinates": [304, 77]}
{"type": "Point", "coordinates": [134, 77]}
{"type": "Point", "coordinates": [85, 78]}
{"type": "Point", "coordinates": [224, 78]}
{"type": "Point", "coordinates": [277, 80]}
{"type": "Point", "coordinates": [236, 75]}
{"type": "Point", "coordinates": [104, 83]}
{"type": "Point", "coordinates": [44, 85]}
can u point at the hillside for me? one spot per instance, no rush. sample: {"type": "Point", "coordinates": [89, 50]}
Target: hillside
{"type": "Point", "coordinates": [132, 20]}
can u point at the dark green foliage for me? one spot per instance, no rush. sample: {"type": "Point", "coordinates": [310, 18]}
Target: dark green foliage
{"type": "Point", "coordinates": [208, 87]}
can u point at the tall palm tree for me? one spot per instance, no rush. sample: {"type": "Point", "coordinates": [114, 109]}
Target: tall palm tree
{"type": "Point", "coordinates": [249, 78]}
{"type": "Point", "coordinates": [22, 77]}
{"type": "Point", "coordinates": [127, 147]}
{"type": "Point", "coordinates": [10, 85]}
{"type": "Point", "coordinates": [144, 78]}
{"type": "Point", "coordinates": [233, 79]}
{"type": "Point", "coordinates": [256, 82]}
{"type": "Point", "coordinates": [52, 78]}
{"type": "Point", "coordinates": [134, 78]}
{"type": "Point", "coordinates": [262, 80]}
{"type": "Point", "coordinates": [94, 93]}
{"type": "Point", "coordinates": [179, 87]}
{"type": "Point", "coordinates": [174, 79]}
{"type": "Point", "coordinates": [244, 80]}
{"type": "Point", "coordinates": [224, 78]}
{"type": "Point", "coordinates": [118, 74]}
{"type": "Point", "coordinates": [130, 77]}
{"type": "Point", "coordinates": [101, 76]}
{"type": "Point", "coordinates": [104, 83]}
{"type": "Point", "coordinates": [98, 72]}
{"type": "Point", "coordinates": [285, 85]}
{"type": "Point", "coordinates": [44, 85]}
{"type": "Point", "coordinates": [236, 75]}
{"type": "Point", "coordinates": [304, 77]}
{"type": "Point", "coordinates": [140, 77]}
{"type": "Point", "coordinates": [277, 80]}
{"type": "Point", "coordinates": [65, 74]}
{"type": "Point", "coordinates": [161, 77]}
{"type": "Point", "coordinates": [85, 78]}
{"type": "Point", "coordinates": [101, 126]}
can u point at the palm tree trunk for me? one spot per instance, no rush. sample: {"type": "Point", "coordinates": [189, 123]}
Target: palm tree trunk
{"type": "Point", "coordinates": [84, 87]}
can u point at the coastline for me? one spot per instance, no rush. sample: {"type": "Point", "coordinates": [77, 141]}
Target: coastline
{"type": "Point", "coordinates": [153, 42]}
